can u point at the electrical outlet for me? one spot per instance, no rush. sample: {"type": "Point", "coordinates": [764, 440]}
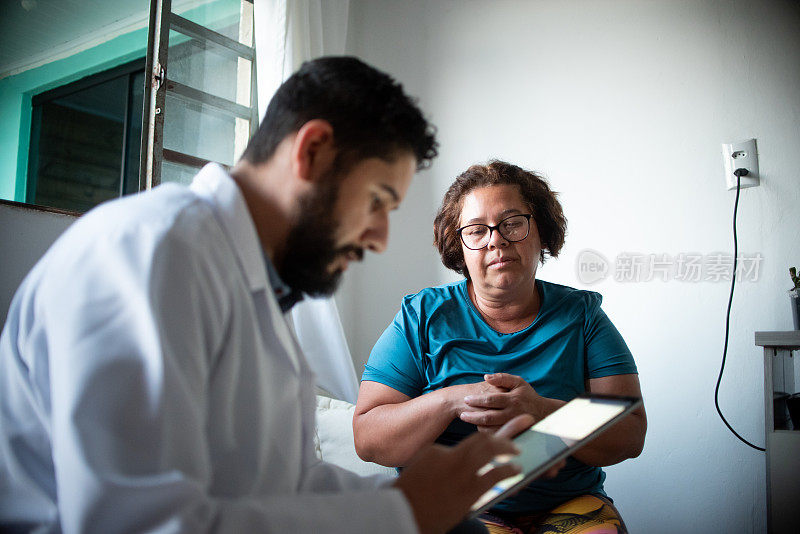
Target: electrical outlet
{"type": "Point", "coordinates": [741, 155]}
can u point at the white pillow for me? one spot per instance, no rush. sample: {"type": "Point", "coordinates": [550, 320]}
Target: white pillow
{"type": "Point", "coordinates": [334, 439]}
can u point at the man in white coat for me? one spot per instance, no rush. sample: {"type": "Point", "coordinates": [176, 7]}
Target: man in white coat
{"type": "Point", "coordinates": [148, 379]}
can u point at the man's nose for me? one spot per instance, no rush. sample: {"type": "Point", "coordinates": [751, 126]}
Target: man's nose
{"type": "Point", "coordinates": [376, 236]}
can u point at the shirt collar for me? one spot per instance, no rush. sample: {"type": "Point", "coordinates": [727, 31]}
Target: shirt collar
{"type": "Point", "coordinates": [217, 187]}
{"type": "Point", "coordinates": [287, 297]}
{"type": "Point", "coordinates": [220, 190]}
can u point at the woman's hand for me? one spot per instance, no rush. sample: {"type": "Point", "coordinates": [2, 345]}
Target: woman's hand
{"type": "Point", "coordinates": [389, 427]}
{"type": "Point", "coordinates": [458, 393]}
{"type": "Point", "coordinates": [624, 440]}
{"type": "Point", "coordinates": [509, 396]}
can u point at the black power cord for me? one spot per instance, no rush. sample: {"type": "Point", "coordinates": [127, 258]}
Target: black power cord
{"type": "Point", "coordinates": [739, 173]}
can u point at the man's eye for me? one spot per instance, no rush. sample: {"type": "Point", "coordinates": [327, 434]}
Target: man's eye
{"type": "Point", "coordinates": [376, 203]}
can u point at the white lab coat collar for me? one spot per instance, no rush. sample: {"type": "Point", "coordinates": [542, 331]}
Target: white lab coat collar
{"type": "Point", "coordinates": [220, 190]}
{"type": "Point", "coordinates": [222, 193]}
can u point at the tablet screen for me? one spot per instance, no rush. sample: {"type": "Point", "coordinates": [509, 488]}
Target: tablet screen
{"type": "Point", "coordinates": [555, 437]}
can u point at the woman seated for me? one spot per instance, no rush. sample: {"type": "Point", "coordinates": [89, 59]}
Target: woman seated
{"type": "Point", "coordinates": [473, 354]}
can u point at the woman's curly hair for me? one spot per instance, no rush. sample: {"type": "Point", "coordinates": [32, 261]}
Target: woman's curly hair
{"type": "Point", "coordinates": [536, 193]}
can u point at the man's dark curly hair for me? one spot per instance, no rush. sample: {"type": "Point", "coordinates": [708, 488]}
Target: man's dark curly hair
{"type": "Point", "coordinates": [370, 114]}
{"type": "Point", "coordinates": [536, 193]}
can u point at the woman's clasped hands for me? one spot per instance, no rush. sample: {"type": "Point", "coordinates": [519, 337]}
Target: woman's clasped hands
{"type": "Point", "coordinates": [501, 397]}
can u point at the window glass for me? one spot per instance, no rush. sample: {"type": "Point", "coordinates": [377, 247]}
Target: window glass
{"type": "Point", "coordinates": [209, 67]}
{"type": "Point", "coordinates": [81, 134]}
{"type": "Point", "coordinates": [199, 130]}
{"type": "Point", "coordinates": [221, 16]}
{"type": "Point", "coordinates": [207, 109]}
{"type": "Point", "coordinates": [180, 174]}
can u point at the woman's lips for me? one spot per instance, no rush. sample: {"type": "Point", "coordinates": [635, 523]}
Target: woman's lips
{"type": "Point", "coordinates": [500, 263]}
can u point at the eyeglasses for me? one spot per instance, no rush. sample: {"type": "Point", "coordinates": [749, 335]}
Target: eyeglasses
{"type": "Point", "coordinates": [513, 229]}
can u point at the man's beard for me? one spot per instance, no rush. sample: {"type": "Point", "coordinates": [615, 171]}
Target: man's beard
{"type": "Point", "coordinates": [311, 244]}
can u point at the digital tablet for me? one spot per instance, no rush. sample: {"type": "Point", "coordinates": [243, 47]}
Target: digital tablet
{"type": "Point", "coordinates": [554, 438]}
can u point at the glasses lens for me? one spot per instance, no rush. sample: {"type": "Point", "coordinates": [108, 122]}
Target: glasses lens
{"type": "Point", "coordinates": [475, 236]}
{"type": "Point", "coordinates": [514, 228]}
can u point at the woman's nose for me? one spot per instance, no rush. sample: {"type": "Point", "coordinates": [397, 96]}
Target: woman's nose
{"type": "Point", "coordinates": [496, 239]}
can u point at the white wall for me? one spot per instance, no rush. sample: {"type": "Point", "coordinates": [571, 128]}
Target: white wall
{"type": "Point", "coordinates": [624, 105]}
{"type": "Point", "coordinates": [25, 235]}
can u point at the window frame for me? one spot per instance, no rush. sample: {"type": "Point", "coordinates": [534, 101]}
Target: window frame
{"type": "Point", "coordinates": [157, 84]}
{"type": "Point", "coordinates": [129, 69]}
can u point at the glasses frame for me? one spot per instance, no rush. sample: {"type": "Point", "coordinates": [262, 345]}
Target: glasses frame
{"type": "Point", "coordinates": [496, 228]}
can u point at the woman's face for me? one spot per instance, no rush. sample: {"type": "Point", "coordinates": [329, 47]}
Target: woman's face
{"type": "Point", "coordinates": [501, 265]}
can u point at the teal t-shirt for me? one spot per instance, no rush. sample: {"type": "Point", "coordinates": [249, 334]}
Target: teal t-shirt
{"type": "Point", "coordinates": [439, 339]}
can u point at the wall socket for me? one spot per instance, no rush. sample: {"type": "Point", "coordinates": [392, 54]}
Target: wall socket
{"type": "Point", "coordinates": [741, 155]}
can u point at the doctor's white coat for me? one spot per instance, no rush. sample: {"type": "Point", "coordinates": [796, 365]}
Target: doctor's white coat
{"type": "Point", "coordinates": [149, 382]}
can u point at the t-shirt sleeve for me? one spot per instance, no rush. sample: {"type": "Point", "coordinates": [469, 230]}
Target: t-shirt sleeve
{"type": "Point", "coordinates": [395, 358]}
{"type": "Point", "coordinates": [607, 353]}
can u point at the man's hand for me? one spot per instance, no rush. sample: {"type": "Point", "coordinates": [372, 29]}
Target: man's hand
{"type": "Point", "coordinates": [511, 397]}
{"type": "Point", "coordinates": [442, 483]}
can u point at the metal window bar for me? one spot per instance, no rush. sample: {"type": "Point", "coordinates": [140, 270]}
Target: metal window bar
{"type": "Point", "coordinates": [157, 84]}
{"type": "Point", "coordinates": [201, 33]}
{"type": "Point", "coordinates": [195, 95]}
{"type": "Point", "coordinates": [185, 159]}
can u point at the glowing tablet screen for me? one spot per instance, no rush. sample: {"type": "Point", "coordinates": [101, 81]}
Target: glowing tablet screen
{"type": "Point", "coordinates": [548, 439]}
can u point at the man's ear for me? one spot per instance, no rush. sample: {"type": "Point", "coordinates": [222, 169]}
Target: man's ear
{"type": "Point", "coordinates": [313, 150]}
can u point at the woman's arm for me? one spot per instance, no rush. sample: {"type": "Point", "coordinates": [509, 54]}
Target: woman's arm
{"type": "Point", "coordinates": [624, 440]}
{"type": "Point", "coordinates": [389, 427]}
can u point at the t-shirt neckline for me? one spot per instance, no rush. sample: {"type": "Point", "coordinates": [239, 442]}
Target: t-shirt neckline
{"type": "Point", "coordinates": [464, 293]}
